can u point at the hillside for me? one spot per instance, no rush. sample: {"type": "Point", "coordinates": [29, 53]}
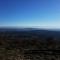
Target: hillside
{"type": "Point", "coordinates": [29, 45]}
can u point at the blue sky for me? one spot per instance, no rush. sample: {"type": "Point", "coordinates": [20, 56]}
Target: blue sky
{"type": "Point", "coordinates": [30, 13]}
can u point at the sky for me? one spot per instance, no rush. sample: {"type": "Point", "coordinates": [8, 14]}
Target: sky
{"type": "Point", "coordinates": [30, 13]}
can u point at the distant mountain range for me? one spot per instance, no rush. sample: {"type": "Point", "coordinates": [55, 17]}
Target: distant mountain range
{"type": "Point", "coordinates": [33, 31]}
{"type": "Point", "coordinates": [24, 29]}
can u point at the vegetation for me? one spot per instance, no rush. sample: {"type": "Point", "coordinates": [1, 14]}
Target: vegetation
{"type": "Point", "coordinates": [25, 48]}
